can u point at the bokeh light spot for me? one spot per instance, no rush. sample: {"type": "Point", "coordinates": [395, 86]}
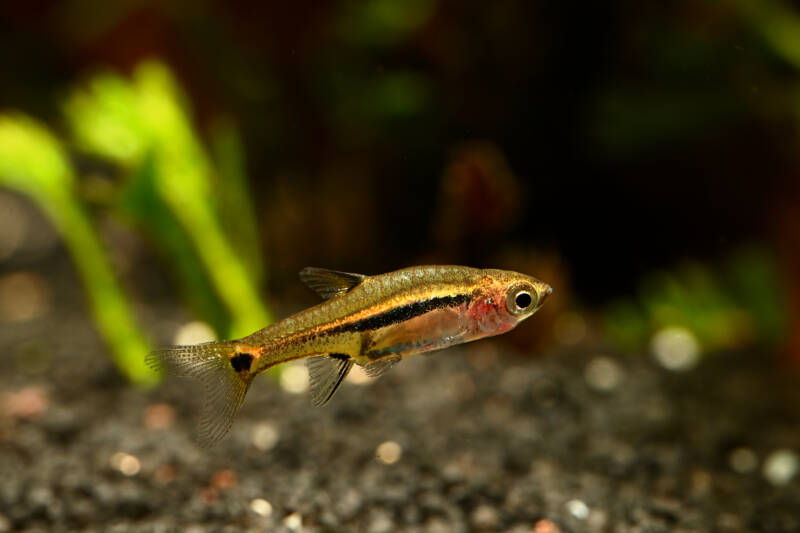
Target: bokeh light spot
{"type": "Point", "coordinates": [675, 348]}
{"type": "Point", "coordinates": [603, 374]}
{"type": "Point", "coordinates": [780, 467]}
{"type": "Point", "coordinates": [577, 509]}
{"type": "Point", "coordinates": [358, 376]}
{"type": "Point", "coordinates": [294, 378]}
{"type": "Point", "coordinates": [194, 332]}
{"type": "Point", "coordinates": [264, 436]}
{"type": "Point", "coordinates": [293, 521]}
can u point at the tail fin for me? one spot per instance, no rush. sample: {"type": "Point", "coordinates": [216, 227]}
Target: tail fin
{"type": "Point", "coordinates": [226, 387]}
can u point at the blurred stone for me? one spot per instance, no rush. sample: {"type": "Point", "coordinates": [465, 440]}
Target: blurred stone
{"type": "Point", "coordinates": [461, 386]}
{"type": "Point", "coordinates": [597, 520]}
{"type": "Point", "coordinates": [603, 374]}
{"type": "Point", "coordinates": [24, 296]}
{"type": "Point", "coordinates": [159, 416]}
{"type": "Point", "coordinates": [485, 517]}
{"type": "Point", "coordinates": [437, 524]}
{"type": "Point", "coordinates": [348, 505]}
{"type": "Point", "coordinates": [28, 402]}
{"type": "Point", "coordinates": [743, 460]}
{"type": "Point", "coordinates": [545, 526]}
{"type": "Point", "coordinates": [165, 473]}
{"type": "Point", "coordinates": [577, 509]}
{"type": "Point", "coordinates": [126, 463]}
{"type": "Point", "coordinates": [700, 483]}
{"type": "Point", "coordinates": [389, 452]}
{"type": "Point", "coordinates": [223, 479]}
{"type": "Point", "coordinates": [380, 522]}
{"type": "Point", "coordinates": [729, 523]}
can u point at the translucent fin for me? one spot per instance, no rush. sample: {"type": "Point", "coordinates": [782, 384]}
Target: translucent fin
{"type": "Point", "coordinates": [211, 363]}
{"type": "Point", "coordinates": [377, 369]}
{"type": "Point", "coordinates": [325, 374]}
{"type": "Point", "coordinates": [329, 283]}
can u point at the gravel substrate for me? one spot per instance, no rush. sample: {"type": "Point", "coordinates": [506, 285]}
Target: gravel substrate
{"type": "Point", "coordinates": [470, 439]}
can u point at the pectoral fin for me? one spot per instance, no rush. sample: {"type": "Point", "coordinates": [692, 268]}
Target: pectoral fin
{"type": "Point", "coordinates": [329, 283]}
{"type": "Point", "coordinates": [326, 373]}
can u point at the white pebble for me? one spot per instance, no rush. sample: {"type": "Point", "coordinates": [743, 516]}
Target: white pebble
{"type": "Point", "coordinates": [262, 507]}
{"type": "Point", "coordinates": [389, 452]}
{"type": "Point", "coordinates": [293, 521]}
{"type": "Point", "coordinates": [578, 509]}
{"type": "Point", "coordinates": [126, 463]}
{"type": "Point", "coordinates": [603, 374]}
{"type": "Point", "coordinates": [780, 467]}
{"type": "Point", "coordinates": [675, 348]}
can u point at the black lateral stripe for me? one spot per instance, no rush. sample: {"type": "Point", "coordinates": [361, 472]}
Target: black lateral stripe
{"type": "Point", "coordinates": [402, 313]}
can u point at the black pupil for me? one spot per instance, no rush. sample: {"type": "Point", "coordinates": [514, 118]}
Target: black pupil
{"type": "Point", "coordinates": [523, 300]}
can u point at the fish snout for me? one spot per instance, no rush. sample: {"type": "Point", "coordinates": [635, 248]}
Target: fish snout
{"type": "Point", "coordinates": [548, 290]}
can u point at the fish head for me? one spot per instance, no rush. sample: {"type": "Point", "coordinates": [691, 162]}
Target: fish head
{"type": "Point", "coordinates": [504, 298]}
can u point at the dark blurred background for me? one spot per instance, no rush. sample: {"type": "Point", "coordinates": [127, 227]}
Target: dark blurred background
{"type": "Point", "coordinates": [589, 144]}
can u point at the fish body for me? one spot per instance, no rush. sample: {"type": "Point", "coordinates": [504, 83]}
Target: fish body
{"type": "Point", "coordinates": [370, 321]}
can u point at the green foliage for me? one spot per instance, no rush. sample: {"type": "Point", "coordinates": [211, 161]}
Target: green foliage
{"type": "Point", "coordinates": [174, 191]}
{"type": "Point", "coordinates": [734, 305]}
{"type": "Point", "coordinates": [198, 214]}
{"type": "Point", "coordinates": [33, 162]}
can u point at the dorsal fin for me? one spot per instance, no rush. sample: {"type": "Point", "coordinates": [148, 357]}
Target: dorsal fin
{"type": "Point", "coordinates": [329, 283]}
{"type": "Point", "coordinates": [325, 374]}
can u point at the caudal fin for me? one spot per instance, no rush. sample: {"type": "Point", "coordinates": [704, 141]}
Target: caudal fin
{"type": "Point", "coordinates": [225, 385]}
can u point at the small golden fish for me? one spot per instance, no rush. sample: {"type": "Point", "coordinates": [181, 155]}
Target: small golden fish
{"type": "Point", "coordinates": [370, 321]}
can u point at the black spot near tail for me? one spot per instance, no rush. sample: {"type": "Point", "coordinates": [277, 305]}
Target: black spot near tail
{"type": "Point", "coordinates": [241, 361]}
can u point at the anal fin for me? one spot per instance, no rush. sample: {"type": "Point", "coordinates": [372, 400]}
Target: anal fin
{"type": "Point", "coordinates": [377, 368]}
{"type": "Point", "coordinates": [326, 373]}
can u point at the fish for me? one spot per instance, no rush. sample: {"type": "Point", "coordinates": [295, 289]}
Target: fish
{"type": "Point", "coordinates": [370, 321]}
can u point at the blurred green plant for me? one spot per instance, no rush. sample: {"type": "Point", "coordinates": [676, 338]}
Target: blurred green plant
{"type": "Point", "coordinates": [174, 192]}
{"type": "Point", "coordinates": [735, 305]}
{"type": "Point", "coordinates": [195, 209]}
{"type": "Point", "coordinates": [33, 162]}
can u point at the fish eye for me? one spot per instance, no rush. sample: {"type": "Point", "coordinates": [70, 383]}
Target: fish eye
{"type": "Point", "coordinates": [520, 299]}
{"type": "Point", "coordinates": [523, 299]}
